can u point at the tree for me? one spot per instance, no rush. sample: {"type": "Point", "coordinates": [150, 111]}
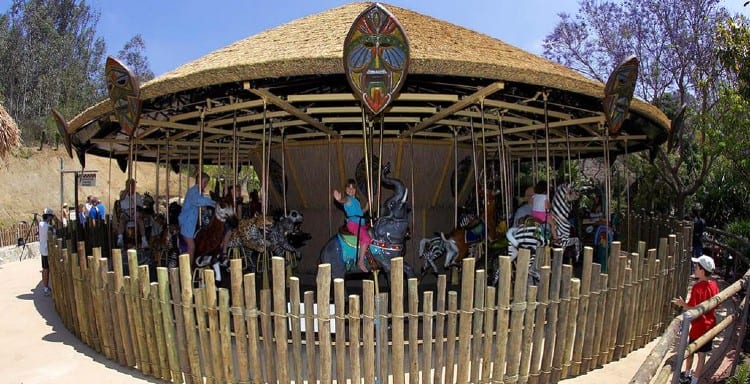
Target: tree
{"type": "Point", "coordinates": [675, 42]}
{"type": "Point", "coordinates": [51, 57]}
{"type": "Point", "coordinates": [133, 56]}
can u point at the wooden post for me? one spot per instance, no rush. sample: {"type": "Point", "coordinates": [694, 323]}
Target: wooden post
{"type": "Point", "coordinates": [168, 318]}
{"type": "Point", "coordinates": [489, 330]}
{"type": "Point", "coordinates": [599, 340]}
{"type": "Point", "coordinates": [575, 287]}
{"type": "Point", "coordinates": [177, 308]}
{"type": "Point", "coordinates": [237, 309]}
{"type": "Point", "coordinates": [296, 328]}
{"type": "Point", "coordinates": [368, 330]}
{"type": "Point", "coordinates": [354, 338]}
{"type": "Point", "coordinates": [552, 315]}
{"type": "Point", "coordinates": [323, 283]}
{"type": "Point", "coordinates": [279, 308]}
{"type": "Point", "coordinates": [253, 334]}
{"type": "Point", "coordinates": [450, 344]}
{"type": "Point", "coordinates": [517, 314]}
{"type": "Point", "coordinates": [442, 282]}
{"type": "Point", "coordinates": [188, 315]}
{"type": "Point", "coordinates": [312, 368]}
{"type": "Point", "coordinates": [225, 334]}
{"type": "Point", "coordinates": [413, 285]}
{"type": "Point", "coordinates": [562, 323]}
{"type": "Point", "coordinates": [148, 322]}
{"type": "Point", "coordinates": [338, 300]}
{"type": "Point", "coordinates": [540, 318]}
{"type": "Point", "coordinates": [397, 319]}
{"type": "Point", "coordinates": [587, 362]}
{"type": "Point", "coordinates": [528, 332]}
{"type": "Point", "coordinates": [160, 339]}
{"type": "Point", "coordinates": [480, 282]}
{"type": "Point", "coordinates": [427, 339]}
{"type": "Point", "coordinates": [583, 310]}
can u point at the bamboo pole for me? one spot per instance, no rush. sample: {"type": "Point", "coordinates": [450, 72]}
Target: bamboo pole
{"type": "Point", "coordinates": [413, 294]}
{"type": "Point", "coordinates": [168, 319]}
{"type": "Point", "coordinates": [251, 320]}
{"type": "Point", "coordinates": [597, 359]}
{"type": "Point", "coordinates": [489, 330]}
{"type": "Point", "coordinates": [338, 300]}
{"type": "Point", "coordinates": [188, 314]}
{"type": "Point", "coordinates": [323, 283]}
{"type": "Point", "coordinates": [450, 345]}
{"type": "Point", "coordinates": [540, 318]}
{"type": "Point", "coordinates": [279, 308]}
{"type": "Point", "coordinates": [620, 320]}
{"type": "Point", "coordinates": [206, 357]}
{"type": "Point", "coordinates": [562, 324]}
{"type": "Point", "coordinates": [180, 333]}
{"type": "Point", "coordinates": [295, 322]}
{"type": "Point", "coordinates": [427, 338]}
{"type": "Point", "coordinates": [148, 321]}
{"type": "Point", "coordinates": [237, 309]}
{"type": "Point", "coordinates": [583, 310]}
{"type": "Point", "coordinates": [480, 281]}
{"type": "Point", "coordinates": [517, 314]}
{"type": "Point", "coordinates": [138, 313]}
{"type": "Point", "coordinates": [575, 289]}
{"type": "Point", "coordinates": [226, 336]}
{"type": "Point", "coordinates": [552, 315]}
{"type": "Point", "coordinates": [267, 333]}
{"type": "Point", "coordinates": [587, 362]}
{"type": "Point", "coordinates": [440, 329]}
{"type": "Point", "coordinates": [161, 346]}
{"type": "Point", "coordinates": [503, 313]}
{"type": "Point", "coordinates": [465, 316]}
{"type": "Point", "coordinates": [354, 337]}
{"type": "Point", "coordinates": [397, 320]}
{"type": "Point", "coordinates": [528, 333]}
{"type": "Point", "coordinates": [310, 326]}
{"type": "Point", "coordinates": [368, 330]}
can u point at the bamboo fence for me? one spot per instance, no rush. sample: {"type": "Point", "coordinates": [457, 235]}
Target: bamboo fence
{"type": "Point", "coordinates": [514, 333]}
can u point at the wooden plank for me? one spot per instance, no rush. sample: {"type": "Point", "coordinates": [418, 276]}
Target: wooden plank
{"type": "Point", "coordinates": [354, 337]}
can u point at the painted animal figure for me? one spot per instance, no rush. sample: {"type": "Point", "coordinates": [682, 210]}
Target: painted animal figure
{"type": "Point", "coordinates": [388, 235]}
{"type": "Point", "coordinates": [208, 239]}
{"type": "Point", "coordinates": [562, 204]}
{"type": "Point", "coordinates": [472, 232]}
{"type": "Point", "coordinates": [527, 235]}
{"type": "Point", "coordinates": [431, 249]}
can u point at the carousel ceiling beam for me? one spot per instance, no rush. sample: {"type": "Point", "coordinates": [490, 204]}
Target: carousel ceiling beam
{"type": "Point", "coordinates": [587, 139]}
{"type": "Point", "coordinates": [277, 101]}
{"type": "Point", "coordinates": [457, 106]}
{"type": "Point", "coordinates": [249, 117]}
{"type": "Point", "coordinates": [525, 108]}
{"type": "Point", "coordinates": [555, 124]}
{"type": "Point", "coordinates": [307, 98]}
{"type": "Point", "coordinates": [358, 119]}
{"type": "Point", "coordinates": [215, 110]}
{"type": "Point", "coordinates": [188, 129]}
{"type": "Point", "coordinates": [494, 117]}
{"type": "Point", "coordinates": [358, 110]}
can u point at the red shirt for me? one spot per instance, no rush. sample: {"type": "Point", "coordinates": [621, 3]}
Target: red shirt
{"type": "Point", "coordinates": [702, 291]}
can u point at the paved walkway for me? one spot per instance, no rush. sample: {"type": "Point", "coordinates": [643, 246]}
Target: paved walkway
{"type": "Point", "coordinates": [37, 348]}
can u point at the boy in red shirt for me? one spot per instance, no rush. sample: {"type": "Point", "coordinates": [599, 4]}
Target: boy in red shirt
{"type": "Point", "coordinates": [702, 290]}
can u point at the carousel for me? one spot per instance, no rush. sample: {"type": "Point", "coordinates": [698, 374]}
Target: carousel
{"type": "Point", "coordinates": [438, 127]}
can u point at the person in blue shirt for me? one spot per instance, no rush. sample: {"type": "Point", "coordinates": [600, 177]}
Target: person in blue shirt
{"type": "Point", "coordinates": [355, 219]}
{"type": "Point", "coordinates": [98, 211]}
{"type": "Point", "coordinates": [188, 218]}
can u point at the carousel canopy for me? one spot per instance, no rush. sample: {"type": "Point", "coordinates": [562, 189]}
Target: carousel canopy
{"type": "Point", "coordinates": [289, 83]}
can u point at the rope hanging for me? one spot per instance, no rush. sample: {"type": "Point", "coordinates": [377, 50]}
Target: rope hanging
{"type": "Point", "coordinates": [235, 159]}
{"type": "Point", "coordinates": [283, 170]}
{"type": "Point", "coordinates": [545, 93]}
{"type": "Point", "coordinates": [455, 176]}
{"type": "Point", "coordinates": [368, 181]}
{"type": "Point", "coordinates": [484, 188]}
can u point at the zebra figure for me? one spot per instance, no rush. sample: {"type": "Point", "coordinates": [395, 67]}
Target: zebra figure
{"type": "Point", "coordinates": [526, 235]}
{"type": "Point", "coordinates": [562, 204]}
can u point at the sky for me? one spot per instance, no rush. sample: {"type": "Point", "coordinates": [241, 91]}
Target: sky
{"type": "Point", "coordinates": [176, 32]}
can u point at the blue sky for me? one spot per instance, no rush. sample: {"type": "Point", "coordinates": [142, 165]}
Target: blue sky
{"type": "Point", "coordinates": [176, 32]}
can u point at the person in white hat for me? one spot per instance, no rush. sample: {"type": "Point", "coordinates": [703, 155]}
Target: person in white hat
{"type": "Point", "coordinates": [702, 290]}
{"type": "Point", "coordinates": [44, 227]}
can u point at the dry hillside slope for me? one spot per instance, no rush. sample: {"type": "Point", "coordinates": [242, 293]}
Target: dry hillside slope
{"type": "Point", "coordinates": [32, 181]}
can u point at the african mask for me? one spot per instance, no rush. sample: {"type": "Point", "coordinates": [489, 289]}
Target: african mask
{"type": "Point", "coordinates": [618, 92]}
{"type": "Point", "coordinates": [376, 57]}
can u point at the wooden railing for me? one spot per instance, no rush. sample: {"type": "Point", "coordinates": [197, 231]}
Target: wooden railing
{"type": "Point", "coordinates": [565, 326]}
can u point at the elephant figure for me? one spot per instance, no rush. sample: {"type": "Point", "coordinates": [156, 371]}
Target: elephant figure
{"type": "Point", "coordinates": [388, 236]}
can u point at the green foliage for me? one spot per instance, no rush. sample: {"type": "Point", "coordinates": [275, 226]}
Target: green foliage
{"type": "Point", "coordinates": [134, 57]}
{"type": "Point", "coordinates": [733, 36]}
{"type": "Point", "coordinates": [741, 376]}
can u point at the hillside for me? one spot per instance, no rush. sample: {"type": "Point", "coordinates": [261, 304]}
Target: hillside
{"type": "Point", "coordinates": [32, 181]}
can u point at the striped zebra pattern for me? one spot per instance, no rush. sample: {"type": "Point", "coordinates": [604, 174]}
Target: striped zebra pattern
{"type": "Point", "coordinates": [562, 203]}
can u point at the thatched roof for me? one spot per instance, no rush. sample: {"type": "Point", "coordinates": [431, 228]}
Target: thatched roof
{"type": "Point", "coordinates": [10, 136]}
{"type": "Point", "coordinates": [291, 78]}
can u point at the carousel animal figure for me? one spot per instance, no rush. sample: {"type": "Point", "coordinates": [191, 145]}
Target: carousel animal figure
{"type": "Point", "coordinates": [209, 238]}
{"type": "Point", "coordinates": [388, 235]}
{"type": "Point", "coordinates": [468, 237]}
{"type": "Point", "coordinates": [528, 234]}
{"type": "Point", "coordinates": [431, 249]}
{"type": "Point", "coordinates": [562, 204]}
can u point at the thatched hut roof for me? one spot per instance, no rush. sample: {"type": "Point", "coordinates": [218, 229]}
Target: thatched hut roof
{"type": "Point", "coordinates": [10, 136]}
{"type": "Point", "coordinates": [291, 78]}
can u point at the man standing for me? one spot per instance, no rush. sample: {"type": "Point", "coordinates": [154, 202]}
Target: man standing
{"type": "Point", "coordinates": [190, 213]}
{"type": "Point", "coordinates": [44, 228]}
{"type": "Point", "coordinates": [98, 211]}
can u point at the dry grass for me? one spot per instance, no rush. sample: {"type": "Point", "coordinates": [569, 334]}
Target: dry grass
{"type": "Point", "coordinates": [31, 182]}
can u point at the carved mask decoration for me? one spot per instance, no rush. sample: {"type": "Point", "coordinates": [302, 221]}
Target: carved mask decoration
{"type": "Point", "coordinates": [618, 92]}
{"type": "Point", "coordinates": [124, 91]}
{"type": "Point", "coordinates": [376, 57]}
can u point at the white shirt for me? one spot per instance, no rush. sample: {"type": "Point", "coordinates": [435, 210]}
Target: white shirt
{"type": "Point", "coordinates": [43, 236]}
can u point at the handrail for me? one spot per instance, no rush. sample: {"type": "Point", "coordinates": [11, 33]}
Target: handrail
{"type": "Point", "coordinates": [655, 359]}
